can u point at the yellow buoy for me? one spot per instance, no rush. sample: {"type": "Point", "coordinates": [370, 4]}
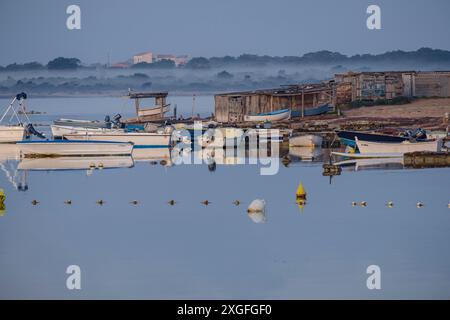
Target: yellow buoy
{"type": "Point", "coordinates": [301, 193]}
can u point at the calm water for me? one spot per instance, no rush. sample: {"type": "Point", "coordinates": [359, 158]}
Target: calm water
{"type": "Point", "coordinates": [188, 250]}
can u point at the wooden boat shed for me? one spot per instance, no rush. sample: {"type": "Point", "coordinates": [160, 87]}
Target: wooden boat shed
{"type": "Point", "coordinates": [231, 107]}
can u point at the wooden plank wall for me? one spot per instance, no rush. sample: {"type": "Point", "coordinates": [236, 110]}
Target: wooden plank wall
{"type": "Point", "coordinates": [232, 108]}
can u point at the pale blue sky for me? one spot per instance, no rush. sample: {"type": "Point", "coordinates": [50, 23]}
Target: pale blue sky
{"type": "Point", "coordinates": [36, 30]}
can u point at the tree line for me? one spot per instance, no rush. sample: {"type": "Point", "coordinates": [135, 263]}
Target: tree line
{"type": "Point", "coordinates": [426, 55]}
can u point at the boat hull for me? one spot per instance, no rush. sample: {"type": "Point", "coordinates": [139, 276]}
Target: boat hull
{"type": "Point", "coordinates": [153, 112]}
{"type": "Point", "coordinates": [73, 148]}
{"type": "Point", "coordinates": [348, 137]}
{"type": "Point", "coordinates": [11, 134]}
{"type": "Point", "coordinates": [79, 123]}
{"type": "Point", "coordinates": [139, 139]}
{"type": "Point", "coordinates": [60, 131]}
{"type": "Point", "coordinates": [307, 112]}
{"type": "Point", "coordinates": [279, 115]}
{"type": "Point", "coordinates": [368, 147]}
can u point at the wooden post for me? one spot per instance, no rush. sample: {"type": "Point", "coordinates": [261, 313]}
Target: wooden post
{"type": "Point", "coordinates": [303, 103]}
{"type": "Point", "coordinates": [193, 107]}
{"type": "Point", "coordinates": [136, 104]}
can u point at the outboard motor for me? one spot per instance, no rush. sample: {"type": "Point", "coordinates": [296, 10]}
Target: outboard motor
{"type": "Point", "coordinates": [108, 122]}
{"type": "Point", "coordinates": [31, 130]}
{"type": "Point", "coordinates": [21, 95]}
{"type": "Point", "coordinates": [116, 120]}
{"type": "Point", "coordinates": [420, 134]}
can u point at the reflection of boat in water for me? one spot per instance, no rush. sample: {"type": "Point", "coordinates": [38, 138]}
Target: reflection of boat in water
{"type": "Point", "coordinates": [372, 163]}
{"type": "Point", "coordinates": [305, 153]}
{"type": "Point", "coordinates": [75, 163]}
{"type": "Point", "coordinates": [353, 155]}
{"type": "Point", "coordinates": [221, 137]}
{"type": "Point", "coordinates": [9, 152]}
{"type": "Point", "coordinates": [219, 156]}
{"type": "Point", "coordinates": [307, 140]}
{"type": "Point", "coordinates": [73, 148]}
{"type": "Point", "coordinates": [9, 156]}
{"type": "Point", "coordinates": [152, 154]}
{"type": "Point", "coordinates": [139, 139]}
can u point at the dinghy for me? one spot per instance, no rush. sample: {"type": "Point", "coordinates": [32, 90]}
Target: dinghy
{"type": "Point", "coordinates": [308, 140]}
{"type": "Point", "coordinates": [307, 112]}
{"type": "Point", "coordinates": [370, 147]}
{"type": "Point", "coordinates": [54, 148]}
{"type": "Point", "coordinates": [139, 139]}
{"type": "Point", "coordinates": [80, 123]}
{"type": "Point", "coordinates": [60, 131]}
{"type": "Point", "coordinates": [152, 112]}
{"type": "Point", "coordinates": [273, 116]}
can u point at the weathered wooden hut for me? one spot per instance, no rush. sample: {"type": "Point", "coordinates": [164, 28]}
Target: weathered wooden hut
{"type": "Point", "coordinates": [353, 86]}
{"type": "Point", "coordinates": [231, 107]}
{"type": "Point", "coordinates": [432, 84]}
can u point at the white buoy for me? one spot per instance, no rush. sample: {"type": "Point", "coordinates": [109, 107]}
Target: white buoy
{"type": "Point", "coordinates": [256, 211]}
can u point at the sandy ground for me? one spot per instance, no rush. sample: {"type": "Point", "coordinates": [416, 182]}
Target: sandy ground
{"type": "Point", "coordinates": [434, 108]}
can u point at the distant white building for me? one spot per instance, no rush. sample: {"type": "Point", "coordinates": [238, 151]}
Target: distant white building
{"type": "Point", "coordinates": [143, 57]}
{"type": "Point", "coordinates": [178, 60]}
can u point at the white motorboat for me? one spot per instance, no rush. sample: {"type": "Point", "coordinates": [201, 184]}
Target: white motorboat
{"type": "Point", "coordinates": [17, 132]}
{"type": "Point", "coordinates": [139, 139]}
{"type": "Point", "coordinates": [54, 148]}
{"type": "Point", "coordinates": [76, 163]}
{"type": "Point", "coordinates": [399, 148]}
{"type": "Point", "coordinates": [308, 140]}
{"type": "Point", "coordinates": [11, 134]}
{"type": "Point", "coordinates": [61, 131]}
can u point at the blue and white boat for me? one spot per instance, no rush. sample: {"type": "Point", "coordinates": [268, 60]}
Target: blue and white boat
{"type": "Point", "coordinates": [278, 115]}
{"type": "Point", "coordinates": [307, 112]}
{"type": "Point", "coordinates": [348, 137]}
